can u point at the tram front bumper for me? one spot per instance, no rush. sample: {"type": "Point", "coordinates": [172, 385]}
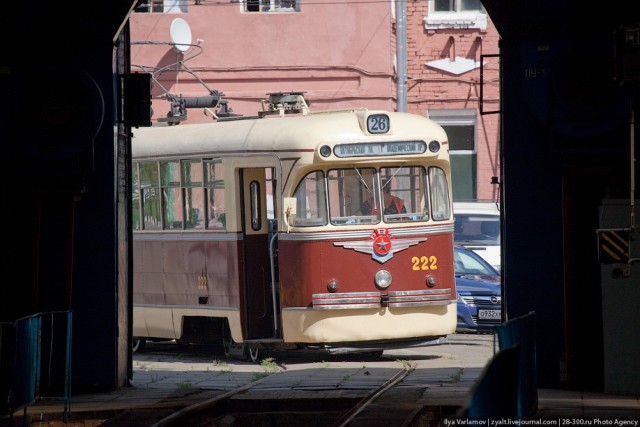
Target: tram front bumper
{"type": "Point", "coordinates": [308, 325]}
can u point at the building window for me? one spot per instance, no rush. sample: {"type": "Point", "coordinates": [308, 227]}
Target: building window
{"type": "Point", "coordinates": [460, 126]}
{"type": "Point", "coordinates": [162, 6]}
{"type": "Point", "coordinates": [271, 5]}
{"type": "Point", "coordinates": [458, 14]}
{"type": "Point", "coordinates": [457, 5]}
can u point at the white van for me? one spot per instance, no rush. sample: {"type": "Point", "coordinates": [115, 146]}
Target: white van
{"type": "Point", "coordinates": [477, 227]}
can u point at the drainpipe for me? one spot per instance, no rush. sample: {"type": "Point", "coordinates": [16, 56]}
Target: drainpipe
{"type": "Point", "coordinates": [401, 53]}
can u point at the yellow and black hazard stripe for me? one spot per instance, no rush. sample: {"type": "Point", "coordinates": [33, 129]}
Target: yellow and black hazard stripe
{"type": "Point", "coordinates": [613, 246]}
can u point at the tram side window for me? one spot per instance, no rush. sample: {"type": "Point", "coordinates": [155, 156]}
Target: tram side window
{"type": "Point", "coordinates": [440, 202]}
{"type": "Point", "coordinates": [214, 189]}
{"type": "Point", "coordinates": [150, 196]}
{"type": "Point", "coordinates": [311, 210]}
{"type": "Point", "coordinates": [270, 190]}
{"type": "Point", "coordinates": [174, 195]}
{"type": "Point", "coordinates": [171, 195]}
{"type": "Point", "coordinates": [192, 182]}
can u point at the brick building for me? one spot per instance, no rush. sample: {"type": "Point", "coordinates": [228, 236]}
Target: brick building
{"type": "Point", "coordinates": [444, 46]}
{"type": "Point", "coordinates": [338, 53]}
{"type": "Point", "coordinates": [342, 55]}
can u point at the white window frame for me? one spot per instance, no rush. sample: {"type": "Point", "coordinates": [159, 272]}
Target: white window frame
{"type": "Point", "coordinates": [176, 6]}
{"type": "Point", "coordinates": [454, 116]}
{"type": "Point", "coordinates": [270, 6]}
{"type": "Point", "coordinates": [468, 19]}
{"type": "Point", "coordinates": [460, 117]}
{"type": "Point", "coordinates": [168, 6]}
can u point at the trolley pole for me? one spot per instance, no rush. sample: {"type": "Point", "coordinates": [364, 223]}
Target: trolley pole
{"type": "Point", "coordinates": [401, 53]}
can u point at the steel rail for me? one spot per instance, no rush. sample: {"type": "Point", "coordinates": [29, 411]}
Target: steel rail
{"type": "Point", "coordinates": [199, 407]}
{"type": "Point", "coordinates": [372, 396]}
{"type": "Point", "coordinates": [179, 416]}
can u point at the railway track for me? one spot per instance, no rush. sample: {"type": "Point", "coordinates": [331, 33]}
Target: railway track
{"type": "Point", "coordinates": [250, 405]}
{"type": "Point", "coordinates": [302, 389]}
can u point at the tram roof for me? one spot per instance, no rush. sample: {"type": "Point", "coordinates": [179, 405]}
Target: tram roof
{"type": "Point", "coordinates": [289, 133]}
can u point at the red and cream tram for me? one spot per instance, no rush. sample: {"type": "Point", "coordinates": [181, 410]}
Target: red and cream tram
{"type": "Point", "coordinates": [330, 229]}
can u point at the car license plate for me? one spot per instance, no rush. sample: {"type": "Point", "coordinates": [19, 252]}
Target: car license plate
{"type": "Point", "coordinates": [489, 314]}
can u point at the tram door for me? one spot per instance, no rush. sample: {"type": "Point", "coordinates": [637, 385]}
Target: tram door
{"type": "Point", "coordinates": [258, 310]}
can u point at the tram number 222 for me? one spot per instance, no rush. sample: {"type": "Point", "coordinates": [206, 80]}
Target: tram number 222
{"type": "Point", "coordinates": [424, 263]}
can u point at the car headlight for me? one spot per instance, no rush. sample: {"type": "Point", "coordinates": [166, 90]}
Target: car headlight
{"type": "Point", "coordinates": [383, 279]}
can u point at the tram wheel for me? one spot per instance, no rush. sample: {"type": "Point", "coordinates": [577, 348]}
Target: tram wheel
{"type": "Point", "coordinates": [231, 348]}
{"type": "Point", "coordinates": [138, 345]}
{"type": "Point", "coordinates": [227, 341]}
{"type": "Point", "coordinates": [253, 353]}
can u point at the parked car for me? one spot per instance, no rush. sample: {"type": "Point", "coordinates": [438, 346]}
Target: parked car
{"type": "Point", "coordinates": [477, 227]}
{"type": "Point", "coordinates": [479, 292]}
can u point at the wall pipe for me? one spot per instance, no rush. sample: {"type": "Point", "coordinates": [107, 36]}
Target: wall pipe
{"type": "Point", "coordinates": [401, 53]}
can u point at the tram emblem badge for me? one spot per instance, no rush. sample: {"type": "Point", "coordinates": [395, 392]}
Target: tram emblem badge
{"type": "Point", "coordinates": [381, 245]}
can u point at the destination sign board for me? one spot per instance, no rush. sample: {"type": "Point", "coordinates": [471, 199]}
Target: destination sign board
{"type": "Point", "coordinates": [367, 149]}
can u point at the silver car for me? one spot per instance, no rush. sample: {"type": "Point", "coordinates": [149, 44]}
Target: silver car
{"type": "Point", "coordinates": [477, 227]}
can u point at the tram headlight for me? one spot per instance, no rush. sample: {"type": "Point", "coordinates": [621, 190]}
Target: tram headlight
{"type": "Point", "coordinates": [332, 285]}
{"type": "Point", "coordinates": [431, 281]}
{"type": "Point", "coordinates": [325, 151]}
{"type": "Point", "coordinates": [383, 279]}
{"type": "Point", "coordinates": [434, 146]}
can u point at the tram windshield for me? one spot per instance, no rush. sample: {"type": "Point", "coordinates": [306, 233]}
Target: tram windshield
{"type": "Point", "coordinates": [370, 196]}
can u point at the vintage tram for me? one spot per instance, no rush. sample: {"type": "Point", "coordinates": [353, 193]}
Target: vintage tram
{"type": "Point", "coordinates": [294, 229]}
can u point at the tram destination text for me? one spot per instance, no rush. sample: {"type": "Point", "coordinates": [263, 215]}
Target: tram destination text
{"type": "Point", "coordinates": [380, 149]}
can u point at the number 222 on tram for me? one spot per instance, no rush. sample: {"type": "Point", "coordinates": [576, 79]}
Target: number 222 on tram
{"type": "Point", "coordinates": [329, 229]}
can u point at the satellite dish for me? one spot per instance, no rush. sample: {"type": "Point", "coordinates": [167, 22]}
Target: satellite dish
{"type": "Point", "coordinates": [180, 35]}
